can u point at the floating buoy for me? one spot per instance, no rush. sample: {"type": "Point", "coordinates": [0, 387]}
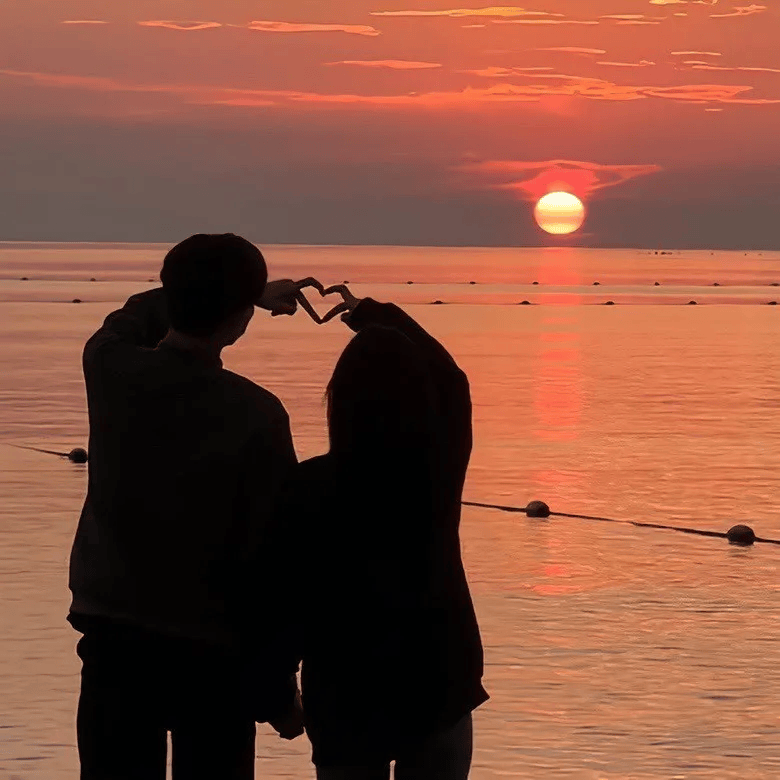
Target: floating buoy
{"type": "Point", "coordinates": [596, 284]}
{"type": "Point", "coordinates": [537, 509]}
{"type": "Point", "coordinates": [472, 282]}
{"type": "Point", "coordinates": [742, 535]}
{"type": "Point", "coordinates": [657, 284]}
{"type": "Point", "coordinates": [78, 455]}
{"type": "Point", "coordinates": [437, 303]}
{"type": "Point", "coordinates": [525, 303]}
{"type": "Point", "coordinates": [772, 303]}
{"type": "Point", "coordinates": [692, 303]}
{"type": "Point", "coordinates": [716, 284]}
{"type": "Point", "coordinates": [24, 279]}
{"type": "Point", "coordinates": [346, 281]}
{"type": "Point", "coordinates": [534, 282]}
{"type": "Point", "coordinates": [93, 279]}
{"type": "Point", "coordinates": [775, 284]}
{"type": "Point", "coordinates": [609, 303]}
{"type": "Point", "coordinates": [77, 300]}
{"type": "Point", "coordinates": [410, 282]}
{"type": "Point", "coordinates": [151, 280]}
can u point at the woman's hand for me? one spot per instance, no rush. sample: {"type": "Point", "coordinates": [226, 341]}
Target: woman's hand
{"type": "Point", "coordinates": [344, 308]}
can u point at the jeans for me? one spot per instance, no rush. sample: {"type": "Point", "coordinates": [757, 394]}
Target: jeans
{"type": "Point", "coordinates": [137, 686]}
{"type": "Point", "coordinates": [444, 756]}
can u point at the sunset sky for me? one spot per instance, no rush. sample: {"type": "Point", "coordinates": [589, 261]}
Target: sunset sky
{"type": "Point", "coordinates": [390, 121]}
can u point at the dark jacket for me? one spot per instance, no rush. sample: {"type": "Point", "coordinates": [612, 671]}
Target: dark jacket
{"type": "Point", "coordinates": [185, 461]}
{"type": "Point", "coordinates": [388, 635]}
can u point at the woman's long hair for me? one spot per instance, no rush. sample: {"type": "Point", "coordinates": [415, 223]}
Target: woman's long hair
{"type": "Point", "coordinates": [382, 424]}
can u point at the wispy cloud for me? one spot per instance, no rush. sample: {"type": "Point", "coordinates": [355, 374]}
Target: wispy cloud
{"type": "Point", "coordinates": [696, 53]}
{"type": "Point", "coordinates": [574, 50]}
{"type": "Point", "coordinates": [741, 10]}
{"type": "Point", "coordinates": [469, 97]}
{"type": "Point", "coordinates": [84, 21]}
{"type": "Point", "coordinates": [390, 64]}
{"type": "Point", "coordinates": [545, 21]}
{"type": "Point", "coordinates": [535, 179]}
{"type": "Point", "coordinates": [174, 25]}
{"type": "Point", "coordinates": [494, 72]}
{"type": "Point", "coordinates": [305, 27]}
{"type": "Point", "coordinates": [640, 64]}
{"type": "Point", "coordinates": [460, 13]}
{"type": "Point", "coordinates": [744, 68]}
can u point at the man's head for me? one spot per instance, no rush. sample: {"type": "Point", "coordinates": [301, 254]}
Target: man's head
{"type": "Point", "coordinates": [211, 285]}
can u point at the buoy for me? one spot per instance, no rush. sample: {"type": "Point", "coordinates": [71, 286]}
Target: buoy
{"type": "Point", "coordinates": [775, 284]}
{"type": "Point", "coordinates": [437, 303]}
{"type": "Point", "coordinates": [410, 282]}
{"type": "Point", "coordinates": [742, 535]}
{"type": "Point", "coordinates": [716, 284]}
{"type": "Point", "coordinates": [77, 300]}
{"type": "Point", "coordinates": [24, 279]}
{"type": "Point", "coordinates": [93, 279]}
{"type": "Point", "coordinates": [534, 282]}
{"type": "Point", "coordinates": [472, 282]}
{"type": "Point", "coordinates": [772, 303]}
{"type": "Point", "coordinates": [525, 303]}
{"type": "Point", "coordinates": [78, 455]}
{"type": "Point", "coordinates": [151, 280]}
{"type": "Point", "coordinates": [692, 303]}
{"type": "Point", "coordinates": [346, 281]}
{"type": "Point", "coordinates": [610, 303]}
{"type": "Point", "coordinates": [596, 284]}
{"type": "Point", "coordinates": [657, 284]}
{"type": "Point", "coordinates": [537, 509]}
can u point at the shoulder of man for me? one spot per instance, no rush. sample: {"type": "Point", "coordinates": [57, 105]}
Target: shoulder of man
{"type": "Point", "coordinates": [256, 396]}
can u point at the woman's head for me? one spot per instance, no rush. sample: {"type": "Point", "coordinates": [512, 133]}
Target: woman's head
{"type": "Point", "coordinates": [380, 398]}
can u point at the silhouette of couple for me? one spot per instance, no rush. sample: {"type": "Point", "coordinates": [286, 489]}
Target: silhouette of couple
{"type": "Point", "coordinates": [209, 565]}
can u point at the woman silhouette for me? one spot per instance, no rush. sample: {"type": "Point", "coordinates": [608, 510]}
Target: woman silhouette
{"type": "Point", "coordinates": [392, 656]}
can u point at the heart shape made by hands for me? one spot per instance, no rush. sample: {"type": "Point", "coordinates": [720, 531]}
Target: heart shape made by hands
{"type": "Point", "coordinates": [348, 301]}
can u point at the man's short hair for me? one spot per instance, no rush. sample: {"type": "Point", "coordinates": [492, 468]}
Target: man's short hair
{"type": "Point", "coordinates": [209, 278]}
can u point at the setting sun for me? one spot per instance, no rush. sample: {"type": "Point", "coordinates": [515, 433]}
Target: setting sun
{"type": "Point", "coordinates": [559, 213]}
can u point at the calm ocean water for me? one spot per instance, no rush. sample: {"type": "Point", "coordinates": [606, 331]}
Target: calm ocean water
{"type": "Point", "coordinates": [613, 652]}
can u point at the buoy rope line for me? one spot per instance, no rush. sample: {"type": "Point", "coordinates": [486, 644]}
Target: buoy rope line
{"type": "Point", "coordinates": [739, 534]}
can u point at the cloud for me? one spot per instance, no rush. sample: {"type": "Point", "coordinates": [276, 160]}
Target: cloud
{"type": "Point", "coordinates": [84, 21]}
{"type": "Point", "coordinates": [574, 50]}
{"type": "Point", "coordinates": [170, 25]}
{"type": "Point", "coordinates": [498, 72]}
{"type": "Point", "coordinates": [296, 27]}
{"type": "Point", "coordinates": [460, 13]}
{"type": "Point", "coordinates": [696, 53]}
{"type": "Point", "coordinates": [640, 64]}
{"type": "Point", "coordinates": [742, 10]}
{"type": "Point", "coordinates": [707, 66]}
{"type": "Point", "coordinates": [469, 97]}
{"type": "Point", "coordinates": [543, 21]}
{"type": "Point", "coordinates": [535, 179]}
{"type": "Point", "coordinates": [391, 64]}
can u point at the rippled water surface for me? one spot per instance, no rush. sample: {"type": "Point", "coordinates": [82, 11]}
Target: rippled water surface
{"type": "Point", "coordinates": [613, 652]}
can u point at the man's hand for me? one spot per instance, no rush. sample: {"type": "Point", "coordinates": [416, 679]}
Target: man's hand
{"type": "Point", "coordinates": [281, 296]}
{"type": "Point", "coordinates": [290, 725]}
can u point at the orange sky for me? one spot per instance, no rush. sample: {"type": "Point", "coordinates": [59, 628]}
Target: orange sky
{"type": "Point", "coordinates": [390, 122]}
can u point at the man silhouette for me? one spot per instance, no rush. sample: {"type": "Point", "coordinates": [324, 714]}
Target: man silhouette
{"type": "Point", "coordinates": [185, 460]}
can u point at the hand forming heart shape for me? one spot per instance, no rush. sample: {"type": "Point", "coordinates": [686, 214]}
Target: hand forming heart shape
{"type": "Point", "coordinates": [348, 302]}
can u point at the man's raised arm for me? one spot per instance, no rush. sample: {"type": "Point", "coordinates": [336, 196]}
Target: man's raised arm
{"type": "Point", "coordinates": [141, 322]}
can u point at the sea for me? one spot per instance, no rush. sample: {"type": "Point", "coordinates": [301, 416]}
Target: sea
{"type": "Point", "coordinates": [613, 652]}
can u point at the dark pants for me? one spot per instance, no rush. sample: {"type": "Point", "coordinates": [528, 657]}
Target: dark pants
{"type": "Point", "coordinates": [137, 686]}
{"type": "Point", "coordinates": [443, 756]}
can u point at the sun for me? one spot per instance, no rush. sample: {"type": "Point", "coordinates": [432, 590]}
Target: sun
{"type": "Point", "coordinates": [560, 213]}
